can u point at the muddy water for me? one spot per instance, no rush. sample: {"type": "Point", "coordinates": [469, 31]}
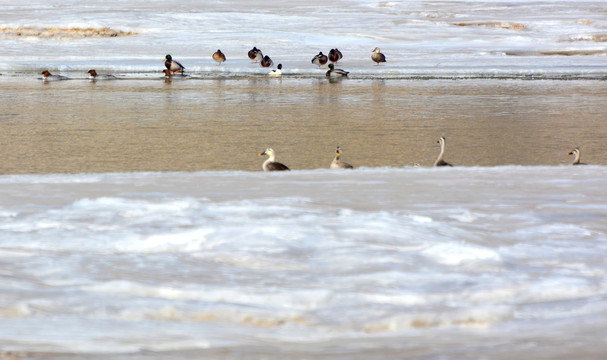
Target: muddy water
{"type": "Point", "coordinates": [222, 124]}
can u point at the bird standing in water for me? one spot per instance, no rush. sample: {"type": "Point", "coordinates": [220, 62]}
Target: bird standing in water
{"type": "Point", "coordinates": [219, 57]}
{"type": "Point", "coordinates": [320, 60]}
{"type": "Point", "coordinates": [173, 65]}
{"type": "Point", "coordinates": [377, 56]}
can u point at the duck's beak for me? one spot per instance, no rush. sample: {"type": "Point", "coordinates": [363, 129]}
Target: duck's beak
{"type": "Point", "coordinates": [165, 59]}
{"type": "Point", "coordinates": [571, 153]}
{"type": "Point", "coordinates": [261, 154]}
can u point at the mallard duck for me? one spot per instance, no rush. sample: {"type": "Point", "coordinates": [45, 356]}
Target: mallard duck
{"type": "Point", "coordinates": [338, 164]}
{"type": "Point", "coordinates": [47, 76]}
{"type": "Point", "coordinates": [577, 154]}
{"type": "Point", "coordinates": [255, 55]}
{"type": "Point", "coordinates": [440, 161]}
{"type": "Point", "coordinates": [266, 61]}
{"type": "Point", "coordinates": [94, 76]}
{"type": "Point", "coordinates": [335, 55]}
{"type": "Point", "coordinates": [320, 60]}
{"type": "Point", "coordinates": [377, 56]}
{"type": "Point", "coordinates": [219, 57]}
{"type": "Point", "coordinates": [173, 65]}
{"type": "Point", "coordinates": [271, 164]}
{"type": "Point", "coordinates": [333, 72]}
{"type": "Point", "coordinates": [276, 72]}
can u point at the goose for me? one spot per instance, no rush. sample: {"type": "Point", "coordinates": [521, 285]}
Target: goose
{"type": "Point", "coordinates": [173, 65]}
{"type": "Point", "coordinates": [338, 164]}
{"type": "Point", "coordinates": [440, 161]}
{"type": "Point", "coordinates": [94, 76]}
{"type": "Point", "coordinates": [276, 72]}
{"type": "Point", "coordinates": [577, 154]}
{"type": "Point", "coordinates": [377, 56]}
{"type": "Point", "coordinates": [333, 72]}
{"type": "Point", "coordinates": [320, 59]}
{"type": "Point", "coordinates": [47, 76]}
{"type": "Point", "coordinates": [271, 164]}
{"type": "Point", "coordinates": [255, 55]}
{"type": "Point", "coordinates": [335, 55]}
{"type": "Point", "coordinates": [266, 61]}
{"type": "Point", "coordinates": [219, 57]}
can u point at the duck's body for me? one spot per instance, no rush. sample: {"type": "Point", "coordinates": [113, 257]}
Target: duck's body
{"type": "Point", "coordinates": [320, 60]}
{"type": "Point", "coordinates": [173, 65]}
{"type": "Point", "coordinates": [266, 62]}
{"type": "Point", "coordinates": [94, 76]}
{"type": "Point", "coordinates": [440, 161]}
{"type": "Point", "coordinates": [47, 76]}
{"type": "Point", "coordinates": [333, 72]}
{"type": "Point", "coordinates": [377, 56]}
{"type": "Point", "coordinates": [337, 163]}
{"type": "Point", "coordinates": [219, 57]}
{"type": "Point", "coordinates": [276, 72]}
{"type": "Point", "coordinates": [255, 55]}
{"type": "Point", "coordinates": [271, 164]}
{"type": "Point", "coordinates": [577, 154]}
{"type": "Point", "coordinates": [335, 55]}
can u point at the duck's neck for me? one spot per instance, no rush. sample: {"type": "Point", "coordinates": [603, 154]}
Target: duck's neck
{"type": "Point", "coordinates": [441, 154]}
{"type": "Point", "coordinates": [577, 158]}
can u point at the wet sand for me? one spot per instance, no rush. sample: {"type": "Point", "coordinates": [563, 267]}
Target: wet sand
{"type": "Point", "coordinates": [222, 124]}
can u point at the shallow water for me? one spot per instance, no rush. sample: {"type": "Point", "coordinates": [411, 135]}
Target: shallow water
{"type": "Point", "coordinates": [193, 124]}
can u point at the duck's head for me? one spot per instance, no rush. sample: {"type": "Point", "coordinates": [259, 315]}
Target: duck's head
{"type": "Point", "coordinates": [574, 151]}
{"type": "Point", "coordinates": [279, 66]}
{"type": "Point", "coordinates": [45, 73]}
{"type": "Point", "coordinates": [92, 72]}
{"type": "Point", "coordinates": [168, 57]}
{"type": "Point", "coordinates": [268, 152]}
{"type": "Point", "coordinates": [338, 151]}
{"type": "Point", "coordinates": [375, 50]}
{"type": "Point", "coordinates": [441, 140]}
{"type": "Point", "coordinates": [331, 66]}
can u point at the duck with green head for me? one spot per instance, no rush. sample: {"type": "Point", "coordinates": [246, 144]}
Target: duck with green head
{"type": "Point", "coordinates": [333, 72]}
{"type": "Point", "coordinates": [173, 65]}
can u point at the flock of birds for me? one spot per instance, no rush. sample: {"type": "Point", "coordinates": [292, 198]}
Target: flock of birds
{"type": "Point", "coordinates": [272, 165]}
{"type": "Point", "coordinates": [256, 55]}
{"type": "Point", "coordinates": [320, 60]}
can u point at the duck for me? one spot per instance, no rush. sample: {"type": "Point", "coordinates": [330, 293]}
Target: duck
{"type": "Point", "coordinates": [333, 72]}
{"type": "Point", "coordinates": [173, 65]}
{"type": "Point", "coordinates": [335, 55]}
{"type": "Point", "coordinates": [440, 160]}
{"type": "Point", "coordinates": [377, 56]}
{"type": "Point", "coordinates": [320, 59]}
{"type": "Point", "coordinates": [338, 164]}
{"type": "Point", "coordinates": [94, 76]}
{"type": "Point", "coordinates": [577, 154]}
{"type": "Point", "coordinates": [167, 73]}
{"type": "Point", "coordinates": [255, 55]}
{"type": "Point", "coordinates": [277, 71]}
{"type": "Point", "coordinates": [266, 61]}
{"type": "Point", "coordinates": [271, 164]}
{"type": "Point", "coordinates": [219, 57]}
{"type": "Point", "coordinates": [47, 76]}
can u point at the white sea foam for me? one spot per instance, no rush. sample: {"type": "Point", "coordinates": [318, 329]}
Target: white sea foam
{"type": "Point", "coordinates": [170, 256]}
